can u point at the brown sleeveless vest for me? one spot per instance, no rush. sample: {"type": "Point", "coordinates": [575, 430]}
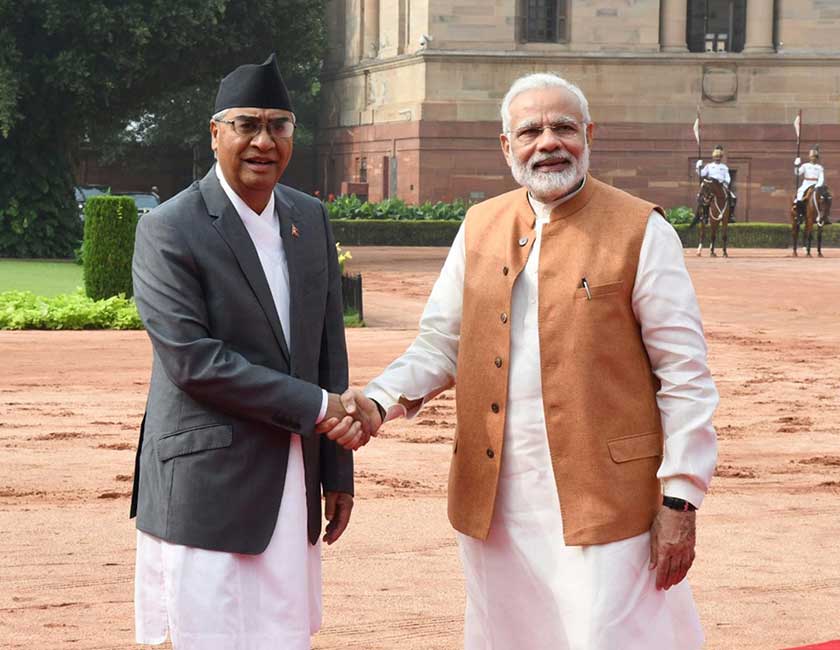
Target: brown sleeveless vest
{"type": "Point", "coordinates": [599, 392]}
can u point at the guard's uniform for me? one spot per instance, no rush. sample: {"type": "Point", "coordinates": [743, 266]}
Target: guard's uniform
{"type": "Point", "coordinates": [717, 170]}
{"type": "Point", "coordinates": [813, 175]}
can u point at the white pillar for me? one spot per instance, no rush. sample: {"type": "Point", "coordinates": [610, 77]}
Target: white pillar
{"type": "Point", "coordinates": [674, 15]}
{"type": "Point", "coordinates": [759, 27]}
{"type": "Point", "coordinates": [370, 45]}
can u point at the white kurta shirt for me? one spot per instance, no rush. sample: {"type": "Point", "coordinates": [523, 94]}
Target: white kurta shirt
{"type": "Point", "coordinates": [525, 588]}
{"type": "Point", "coordinates": [210, 600]}
{"type": "Point", "coordinates": [812, 174]}
{"type": "Point", "coordinates": [716, 170]}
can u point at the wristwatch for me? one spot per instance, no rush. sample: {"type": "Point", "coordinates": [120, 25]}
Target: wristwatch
{"type": "Point", "coordinates": [379, 408]}
{"type": "Point", "coordinates": [678, 504]}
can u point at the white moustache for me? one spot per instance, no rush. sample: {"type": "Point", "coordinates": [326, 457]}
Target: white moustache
{"type": "Point", "coordinates": [537, 159]}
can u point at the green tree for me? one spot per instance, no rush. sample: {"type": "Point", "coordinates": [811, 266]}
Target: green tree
{"type": "Point", "coordinates": [78, 71]}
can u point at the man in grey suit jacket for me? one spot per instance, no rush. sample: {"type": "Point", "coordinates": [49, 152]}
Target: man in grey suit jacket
{"type": "Point", "coordinates": [237, 282]}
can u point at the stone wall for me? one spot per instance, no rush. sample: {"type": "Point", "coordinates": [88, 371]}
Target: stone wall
{"type": "Point", "coordinates": [432, 112]}
{"type": "Point", "coordinates": [448, 160]}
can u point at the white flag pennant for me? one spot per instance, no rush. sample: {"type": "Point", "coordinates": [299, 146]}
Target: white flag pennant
{"type": "Point", "coordinates": [797, 123]}
{"type": "Point", "coordinates": [697, 129]}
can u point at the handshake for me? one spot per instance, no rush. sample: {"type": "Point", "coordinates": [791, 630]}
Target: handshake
{"type": "Point", "coordinates": [351, 419]}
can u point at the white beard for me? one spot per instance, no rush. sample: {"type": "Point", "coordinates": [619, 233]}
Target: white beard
{"type": "Point", "coordinates": [548, 186]}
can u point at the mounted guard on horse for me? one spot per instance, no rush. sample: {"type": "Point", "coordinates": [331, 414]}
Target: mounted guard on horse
{"type": "Point", "coordinates": [813, 175]}
{"type": "Point", "coordinates": [718, 171]}
{"type": "Point", "coordinates": [812, 203]}
{"type": "Point", "coordinates": [715, 201]}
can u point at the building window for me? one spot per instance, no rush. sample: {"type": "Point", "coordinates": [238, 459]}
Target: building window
{"type": "Point", "coordinates": [362, 170]}
{"type": "Point", "coordinates": [544, 21]}
{"type": "Point", "coordinates": [716, 25]}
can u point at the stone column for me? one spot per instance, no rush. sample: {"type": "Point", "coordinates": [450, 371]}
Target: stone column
{"type": "Point", "coordinates": [759, 27]}
{"type": "Point", "coordinates": [370, 44]}
{"type": "Point", "coordinates": [353, 31]}
{"type": "Point", "coordinates": [674, 13]}
{"type": "Point", "coordinates": [335, 12]}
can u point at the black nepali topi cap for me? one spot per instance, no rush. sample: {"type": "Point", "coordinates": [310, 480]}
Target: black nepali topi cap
{"type": "Point", "coordinates": [254, 86]}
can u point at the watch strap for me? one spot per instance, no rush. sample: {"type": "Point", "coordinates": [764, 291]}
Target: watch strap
{"type": "Point", "coordinates": [675, 503]}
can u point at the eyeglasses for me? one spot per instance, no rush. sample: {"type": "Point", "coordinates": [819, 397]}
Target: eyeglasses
{"type": "Point", "coordinates": [566, 130]}
{"type": "Point", "coordinates": [281, 128]}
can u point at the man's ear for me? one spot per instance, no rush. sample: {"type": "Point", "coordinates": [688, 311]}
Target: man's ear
{"type": "Point", "coordinates": [505, 143]}
{"type": "Point", "coordinates": [590, 133]}
{"type": "Point", "coordinates": [214, 136]}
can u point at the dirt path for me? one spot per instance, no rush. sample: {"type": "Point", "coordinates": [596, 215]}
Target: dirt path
{"type": "Point", "coordinates": [766, 576]}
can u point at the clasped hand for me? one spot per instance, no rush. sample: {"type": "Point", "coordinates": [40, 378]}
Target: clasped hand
{"type": "Point", "coordinates": [351, 419]}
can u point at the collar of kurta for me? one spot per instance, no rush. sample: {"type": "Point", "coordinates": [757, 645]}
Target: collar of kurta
{"type": "Point", "coordinates": [577, 202]}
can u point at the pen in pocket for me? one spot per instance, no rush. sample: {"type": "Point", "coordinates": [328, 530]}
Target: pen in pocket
{"type": "Point", "coordinates": [585, 284]}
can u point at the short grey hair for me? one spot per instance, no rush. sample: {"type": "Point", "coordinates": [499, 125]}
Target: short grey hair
{"type": "Point", "coordinates": [541, 80]}
{"type": "Point", "coordinates": [220, 115]}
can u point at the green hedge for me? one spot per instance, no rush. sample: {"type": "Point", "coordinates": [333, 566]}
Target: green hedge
{"type": "Point", "coordinates": [23, 310]}
{"type": "Point", "coordinates": [758, 235]}
{"type": "Point", "coordinates": [359, 232]}
{"type": "Point", "coordinates": [108, 245]}
{"type": "Point", "coordinates": [351, 207]}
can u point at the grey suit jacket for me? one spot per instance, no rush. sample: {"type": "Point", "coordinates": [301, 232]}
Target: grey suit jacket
{"type": "Point", "coordinates": [226, 393]}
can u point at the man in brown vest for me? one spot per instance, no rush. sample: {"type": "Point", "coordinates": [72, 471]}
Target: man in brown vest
{"type": "Point", "coordinates": [584, 441]}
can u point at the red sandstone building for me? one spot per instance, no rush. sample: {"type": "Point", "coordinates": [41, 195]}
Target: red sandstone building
{"type": "Point", "coordinates": [411, 92]}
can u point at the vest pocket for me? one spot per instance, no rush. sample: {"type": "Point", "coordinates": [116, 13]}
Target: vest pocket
{"type": "Point", "coordinates": [635, 447]}
{"type": "Point", "coordinates": [599, 290]}
{"type": "Point", "coordinates": [189, 441]}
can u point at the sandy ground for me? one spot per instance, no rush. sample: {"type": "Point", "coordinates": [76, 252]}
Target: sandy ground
{"type": "Point", "coordinates": [766, 575]}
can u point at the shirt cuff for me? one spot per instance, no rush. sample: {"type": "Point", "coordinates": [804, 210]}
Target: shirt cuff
{"type": "Point", "coordinates": [682, 488]}
{"type": "Point", "coordinates": [393, 409]}
{"type": "Point", "coordinates": [325, 398]}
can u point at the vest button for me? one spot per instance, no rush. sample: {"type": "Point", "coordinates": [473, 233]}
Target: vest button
{"type": "Point", "coordinates": [498, 362]}
{"type": "Point", "coordinates": [505, 270]}
{"type": "Point", "coordinates": [503, 317]}
{"type": "Point", "coordinates": [494, 407]}
{"type": "Point", "coordinates": [490, 453]}
{"type": "Point", "coordinates": [523, 241]}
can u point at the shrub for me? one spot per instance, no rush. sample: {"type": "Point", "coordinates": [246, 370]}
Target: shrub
{"type": "Point", "coordinates": [680, 214]}
{"type": "Point", "coordinates": [108, 245]}
{"type": "Point", "coordinates": [21, 310]}
{"type": "Point", "coordinates": [351, 207]}
{"type": "Point", "coordinates": [395, 233]}
{"type": "Point", "coordinates": [352, 319]}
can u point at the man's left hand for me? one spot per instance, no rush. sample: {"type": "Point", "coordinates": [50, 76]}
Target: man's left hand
{"type": "Point", "coordinates": [672, 538]}
{"type": "Point", "coordinates": [337, 509]}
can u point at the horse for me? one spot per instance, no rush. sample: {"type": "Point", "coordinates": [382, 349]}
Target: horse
{"type": "Point", "coordinates": [818, 205]}
{"type": "Point", "coordinates": [713, 206]}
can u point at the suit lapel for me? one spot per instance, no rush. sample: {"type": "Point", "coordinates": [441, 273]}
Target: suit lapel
{"type": "Point", "coordinates": [233, 231]}
{"type": "Point", "coordinates": [291, 228]}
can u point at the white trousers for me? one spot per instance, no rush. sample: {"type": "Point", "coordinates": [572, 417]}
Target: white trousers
{"type": "Point", "coordinates": [209, 600]}
{"type": "Point", "coordinates": [527, 590]}
{"type": "Point", "coordinates": [800, 193]}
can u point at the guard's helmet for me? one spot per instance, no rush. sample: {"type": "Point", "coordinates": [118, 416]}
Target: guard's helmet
{"type": "Point", "coordinates": [814, 154]}
{"type": "Point", "coordinates": [717, 154]}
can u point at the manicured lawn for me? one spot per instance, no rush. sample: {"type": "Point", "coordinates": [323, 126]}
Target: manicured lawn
{"type": "Point", "coordinates": [43, 278]}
